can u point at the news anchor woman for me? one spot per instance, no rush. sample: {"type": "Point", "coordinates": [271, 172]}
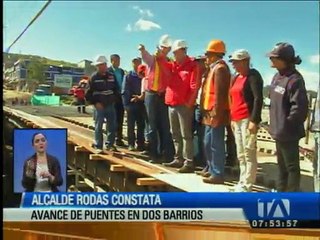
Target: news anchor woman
{"type": "Point", "coordinates": [288, 111]}
{"type": "Point", "coordinates": [41, 171]}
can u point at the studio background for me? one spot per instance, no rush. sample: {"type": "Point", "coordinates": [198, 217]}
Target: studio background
{"type": "Point", "coordinates": [23, 149]}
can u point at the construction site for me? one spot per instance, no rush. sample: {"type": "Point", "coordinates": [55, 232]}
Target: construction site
{"type": "Point", "coordinates": [171, 81]}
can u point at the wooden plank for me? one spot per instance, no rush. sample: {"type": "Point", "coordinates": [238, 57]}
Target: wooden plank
{"type": "Point", "coordinates": [190, 182]}
{"type": "Point", "coordinates": [148, 181]}
{"type": "Point", "coordinates": [80, 149]}
{"type": "Point", "coordinates": [118, 168]}
{"type": "Point", "coordinates": [29, 124]}
{"type": "Point", "coordinates": [96, 157]}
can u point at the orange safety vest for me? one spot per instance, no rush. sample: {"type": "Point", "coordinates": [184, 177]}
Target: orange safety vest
{"type": "Point", "coordinates": [208, 95]}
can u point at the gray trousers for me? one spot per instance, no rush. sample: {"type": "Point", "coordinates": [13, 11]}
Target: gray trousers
{"type": "Point", "coordinates": [246, 152]}
{"type": "Point", "coordinates": [181, 118]}
{"type": "Point", "coordinates": [289, 166]}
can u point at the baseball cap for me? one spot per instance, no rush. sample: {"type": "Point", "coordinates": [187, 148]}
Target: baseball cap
{"type": "Point", "coordinates": [239, 55]}
{"type": "Point", "coordinates": [200, 58]}
{"type": "Point", "coordinates": [284, 51]}
{"type": "Point", "coordinates": [142, 68]}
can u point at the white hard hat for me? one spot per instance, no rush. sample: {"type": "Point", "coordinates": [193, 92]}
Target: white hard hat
{"type": "Point", "coordinates": [178, 44]}
{"type": "Point", "coordinates": [165, 41]}
{"type": "Point", "coordinates": [239, 55]}
{"type": "Point", "coordinates": [100, 59]}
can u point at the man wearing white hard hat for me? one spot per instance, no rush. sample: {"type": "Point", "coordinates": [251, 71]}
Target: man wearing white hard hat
{"type": "Point", "coordinates": [101, 94]}
{"type": "Point", "coordinates": [246, 105]}
{"type": "Point", "coordinates": [181, 96]}
{"type": "Point", "coordinates": [157, 77]}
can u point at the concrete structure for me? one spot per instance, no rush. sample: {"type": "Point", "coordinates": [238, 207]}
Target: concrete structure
{"type": "Point", "coordinates": [17, 74]}
{"type": "Point", "coordinates": [75, 72]}
{"type": "Point", "coordinates": [86, 65]}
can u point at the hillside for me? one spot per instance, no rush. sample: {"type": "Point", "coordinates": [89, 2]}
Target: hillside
{"type": "Point", "coordinates": [10, 58]}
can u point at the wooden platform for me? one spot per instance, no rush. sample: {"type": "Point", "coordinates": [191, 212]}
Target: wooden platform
{"type": "Point", "coordinates": [83, 137]}
{"type": "Point", "coordinates": [191, 183]}
{"type": "Point", "coordinates": [186, 182]}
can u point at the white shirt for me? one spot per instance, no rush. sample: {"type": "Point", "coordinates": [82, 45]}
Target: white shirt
{"type": "Point", "coordinates": [143, 85]}
{"type": "Point", "coordinates": [200, 91]}
{"type": "Point", "coordinates": [42, 184]}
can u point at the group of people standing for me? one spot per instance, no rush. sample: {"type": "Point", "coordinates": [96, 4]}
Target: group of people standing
{"type": "Point", "coordinates": [163, 96]}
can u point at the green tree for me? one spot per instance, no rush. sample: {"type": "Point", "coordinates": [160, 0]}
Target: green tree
{"type": "Point", "coordinates": [35, 74]}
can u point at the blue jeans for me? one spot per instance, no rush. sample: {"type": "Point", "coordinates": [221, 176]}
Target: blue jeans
{"type": "Point", "coordinates": [214, 145]}
{"type": "Point", "coordinates": [147, 130]}
{"type": "Point", "coordinates": [198, 129]}
{"type": "Point", "coordinates": [109, 114]}
{"type": "Point", "coordinates": [316, 163]}
{"type": "Point", "coordinates": [94, 115]}
{"type": "Point", "coordinates": [136, 115]}
{"type": "Point", "coordinates": [159, 123]}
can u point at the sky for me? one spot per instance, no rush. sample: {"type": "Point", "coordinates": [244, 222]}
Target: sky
{"type": "Point", "coordinates": [77, 30]}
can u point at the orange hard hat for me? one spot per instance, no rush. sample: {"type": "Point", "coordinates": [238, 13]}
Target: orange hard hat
{"type": "Point", "coordinates": [216, 46]}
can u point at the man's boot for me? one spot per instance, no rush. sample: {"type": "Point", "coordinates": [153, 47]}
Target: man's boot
{"type": "Point", "coordinates": [188, 167]}
{"type": "Point", "coordinates": [176, 163]}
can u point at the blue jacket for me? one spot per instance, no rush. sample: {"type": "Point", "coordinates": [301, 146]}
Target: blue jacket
{"type": "Point", "coordinates": [131, 86]}
{"type": "Point", "coordinates": [119, 82]}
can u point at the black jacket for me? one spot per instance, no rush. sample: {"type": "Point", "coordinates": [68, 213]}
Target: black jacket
{"type": "Point", "coordinates": [288, 106]}
{"type": "Point", "coordinates": [102, 89]}
{"type": "Point", "coordinates": [54, 168]}
{"type": "Point", "coordinates": [253, 94]}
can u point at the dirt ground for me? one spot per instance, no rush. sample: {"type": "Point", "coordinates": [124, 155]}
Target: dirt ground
{"type": "Point", "coordinates": [9, 94]}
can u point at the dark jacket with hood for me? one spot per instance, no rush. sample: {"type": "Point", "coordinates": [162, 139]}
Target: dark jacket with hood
{"type": "Point", "coordinates": [288, 107]}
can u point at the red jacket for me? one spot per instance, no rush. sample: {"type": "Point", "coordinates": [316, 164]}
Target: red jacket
{"type": "Point", "coordinates": [184, 83]}
{"type": "Point", "coordinates": [79, 93]}
{"type": "Point", "coordinates": [157, 74]}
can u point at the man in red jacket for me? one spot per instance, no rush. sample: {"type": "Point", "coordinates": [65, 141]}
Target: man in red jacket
{"type": "Point", "coordinates": [180, 96]}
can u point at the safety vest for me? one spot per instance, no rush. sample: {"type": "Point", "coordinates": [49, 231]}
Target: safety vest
{"type": "Point", "coordinates": [156, 81]}
{"type": "Point", "coordinates": [208, 95]}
